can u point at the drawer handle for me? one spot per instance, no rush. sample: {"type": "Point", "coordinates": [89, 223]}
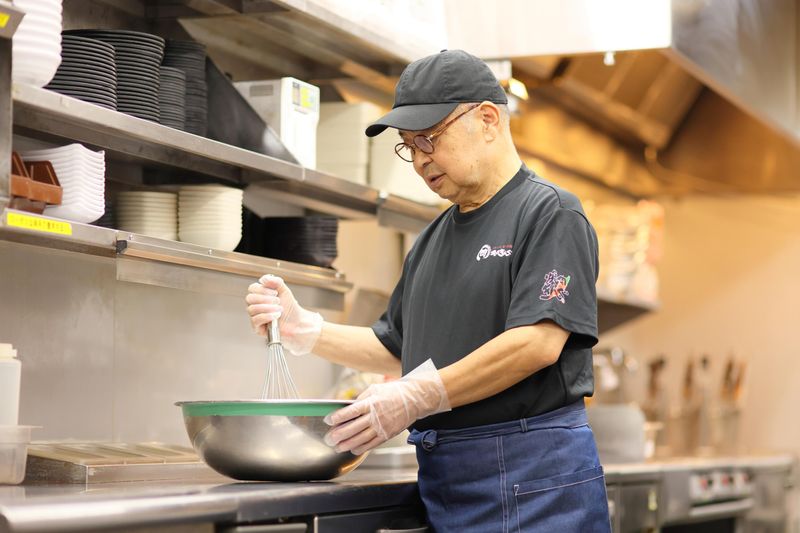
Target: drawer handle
{"type": "Point", "coordinates": [721, 509]}
{"type": "Point", "coordinates": [423, 529]}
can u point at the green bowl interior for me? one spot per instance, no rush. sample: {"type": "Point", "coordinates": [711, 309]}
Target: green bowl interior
{"type": "Point", "coordinates": [258, 409]}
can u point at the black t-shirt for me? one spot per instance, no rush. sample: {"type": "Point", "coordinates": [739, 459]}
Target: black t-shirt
{"type": "Point", "coordinates": [528, 254]}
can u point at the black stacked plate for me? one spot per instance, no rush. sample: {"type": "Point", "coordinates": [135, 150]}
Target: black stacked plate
{"type": "Point", "coordinates": [107, 220]}
{"type": "Point", "coordinates": [87, 71]}
{"type": "Point", "coordinates": [309, 240]}
{"type": "Point", "coordinates": [172, 98]}
{"type": "Point", "coordinates": [190, 57]}
{"type": "Point", "coordinates": [138, 58]}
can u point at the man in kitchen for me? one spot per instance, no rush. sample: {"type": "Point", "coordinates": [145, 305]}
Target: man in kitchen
{"type": "Point", "coordinates": [491, 324]}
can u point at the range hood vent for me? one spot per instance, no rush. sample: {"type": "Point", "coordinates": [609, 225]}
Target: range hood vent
{"type": "Point", "coordinates": [703, 94]}
{"type": "Point", "coordinates": [641, 95]}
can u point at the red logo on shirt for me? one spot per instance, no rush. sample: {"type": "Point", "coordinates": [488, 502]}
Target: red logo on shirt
{"type": "Point", "coordinates": [555, 286]}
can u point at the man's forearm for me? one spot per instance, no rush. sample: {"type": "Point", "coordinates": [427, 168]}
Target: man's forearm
{"type": "Point", "coordinates": [355, 347]}
{"type": "Point", "coordinates": [503, 362]}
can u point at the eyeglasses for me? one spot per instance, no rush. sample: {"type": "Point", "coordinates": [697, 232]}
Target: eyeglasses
{"type": "Point", "coordinates": [424, 143]}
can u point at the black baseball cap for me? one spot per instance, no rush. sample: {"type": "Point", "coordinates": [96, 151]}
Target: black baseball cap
{"type": "Point", "coordinates": [430, 89]}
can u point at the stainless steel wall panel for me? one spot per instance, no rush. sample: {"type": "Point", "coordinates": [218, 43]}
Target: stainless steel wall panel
{"type": "Point", "coordinates": [105, 359]}
{"type": "Point", "coordinates": [57, 309]}
{"type": "Point", "coordinates": [174, 345]}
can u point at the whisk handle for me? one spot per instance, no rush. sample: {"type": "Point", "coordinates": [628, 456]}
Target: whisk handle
{"type": "Point", "coordinates": [273, 333]}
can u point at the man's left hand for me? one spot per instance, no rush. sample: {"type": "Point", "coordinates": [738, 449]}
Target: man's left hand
{"type": "Point", "coordinates": [383, 411]}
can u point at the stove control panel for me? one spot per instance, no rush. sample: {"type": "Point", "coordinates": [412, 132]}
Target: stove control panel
{"type": "Point", "coordinates": [722, 484]}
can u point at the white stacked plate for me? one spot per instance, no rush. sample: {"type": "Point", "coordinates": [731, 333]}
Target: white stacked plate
{"type": "Point", "coordinates": [82, 175]}
{"type": "Point", "coordinates": [37, 42]}
{"type": "Point", "coordinates": [210, 215]}
{"type": "Point", "coordinates": [149, 213]}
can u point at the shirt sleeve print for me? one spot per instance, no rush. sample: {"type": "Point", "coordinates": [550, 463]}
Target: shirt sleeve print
{"type": "Point", "coordinates": [554, 277]}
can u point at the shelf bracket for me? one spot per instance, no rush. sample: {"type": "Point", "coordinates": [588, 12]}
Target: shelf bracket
{"type": "Point", "coordinates": [9, 22]}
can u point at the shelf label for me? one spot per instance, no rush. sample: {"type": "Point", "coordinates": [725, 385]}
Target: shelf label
{"type": "Point", "coordinates": [35, 223]}
{"type": "Point", "coordinates": [304, 98]}
{"type": "Point", "coordinates": [4, 17]}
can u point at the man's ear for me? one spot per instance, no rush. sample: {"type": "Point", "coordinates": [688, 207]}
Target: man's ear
{"type": "Point", "coordinates": [489, 115]}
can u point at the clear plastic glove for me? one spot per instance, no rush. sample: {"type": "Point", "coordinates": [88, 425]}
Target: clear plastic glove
{"type": "Point", "coordinates": [270, 299]}
{"type": "Point", "coordinates": [384, 410]}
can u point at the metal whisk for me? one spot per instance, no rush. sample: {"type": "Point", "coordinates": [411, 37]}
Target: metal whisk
{"type": "Point", "coordinates": [278, 383]}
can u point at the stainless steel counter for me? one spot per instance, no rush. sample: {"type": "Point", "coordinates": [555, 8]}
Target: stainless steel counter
{"type": "Point", "coordinates": [119, 505]}
{"type": "Point", "coordinates": [125, 505]}
{"type": "Point", "coordinates": [656, 467]}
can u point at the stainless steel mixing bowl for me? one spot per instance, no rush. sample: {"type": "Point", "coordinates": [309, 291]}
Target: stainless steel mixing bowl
{"type": "Point", "coordinates": [267, 440]}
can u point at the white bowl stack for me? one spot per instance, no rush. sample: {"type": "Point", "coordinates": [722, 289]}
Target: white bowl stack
{"type": "Point", "coordinates": [342, 147]}
{"type": "Point", "coordinates": [82, 175]}
{"type": "Point", "coordinates": [37, 42]}
{"type": "Point", "coordinates": [210, 215]}
{"type": "Point", "coordinates": [149, 213]}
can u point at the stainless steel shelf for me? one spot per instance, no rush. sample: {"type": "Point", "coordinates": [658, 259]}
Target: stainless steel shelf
{"type": "Point", "coordinates": [180, 253]}
{"type": "Point", "coordinates": [42, 111]}
{"type": "Point", "coordinates": [39, 112]}
{"type": "Point", "coordinates": [332, 25]}
{"type": "Point", "coordinates": [38, 230]}
{"type": "Point", "coordinates": [403, 214]}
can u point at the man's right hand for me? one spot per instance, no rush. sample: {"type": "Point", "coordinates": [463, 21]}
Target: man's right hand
{"type": "Point", "coordinates": [270, 299]}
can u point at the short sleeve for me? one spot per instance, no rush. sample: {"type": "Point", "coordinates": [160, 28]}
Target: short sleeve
{"type": "Point", "coordinates": [389, 327]}
{"type": "Point", "coordinates": [555, 272]}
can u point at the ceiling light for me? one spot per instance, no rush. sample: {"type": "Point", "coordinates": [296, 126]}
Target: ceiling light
{"type": "Point", "coordinates": [517, 88]}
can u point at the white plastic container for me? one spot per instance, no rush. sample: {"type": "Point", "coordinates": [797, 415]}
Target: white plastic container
{"type": "Point", "coordinates": [10, 371]}
{"type": "Point", "coordinates": [291, 107]}
{"type": "Point", "coordinates": [14, 442]}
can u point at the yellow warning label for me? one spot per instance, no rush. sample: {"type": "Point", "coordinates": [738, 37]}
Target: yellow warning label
{"type": "Point", "coordinates": [35, 223]}
{"type": "Point", "coordinates": [4, 19]}
{"type": "Point", "coordinates": [306, 100]}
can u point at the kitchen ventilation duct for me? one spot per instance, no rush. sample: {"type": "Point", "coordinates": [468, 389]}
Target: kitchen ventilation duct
{"type": "Point", "coordinates": [702, 93]}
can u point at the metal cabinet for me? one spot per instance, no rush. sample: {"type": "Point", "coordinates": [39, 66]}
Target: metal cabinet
{"type": "Point", "coordinates": [633, 507]}
{"type": "Point", "coordinates": [265, 528]}
{"type": "Point", "coordinates": [410, 519]}
{"type": "Point", "coordinates": [403, 519]}
{"type": "Point", "coordinates": [772, 489]}
{"type": "Point", "coordinates": [638, 507]}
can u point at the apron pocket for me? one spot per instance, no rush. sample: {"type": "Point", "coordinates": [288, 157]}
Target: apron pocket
{"type": "Point", "coordinates": [566, 480]}
{"type": "Point", "coordinates": [571, 502]}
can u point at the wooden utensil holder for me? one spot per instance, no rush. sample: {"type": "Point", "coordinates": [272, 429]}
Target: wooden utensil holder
{"type": "Point", "coordinates": [34, 185]}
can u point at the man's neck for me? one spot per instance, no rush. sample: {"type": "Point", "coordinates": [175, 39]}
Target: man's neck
{"type": "Point", "coordinates": [497, 176]}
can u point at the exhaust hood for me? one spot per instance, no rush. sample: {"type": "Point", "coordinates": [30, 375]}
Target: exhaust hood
{"type": "Point", "coordinates": [700, 95]}
{"type": "Point", "coordinates": [646, 97]}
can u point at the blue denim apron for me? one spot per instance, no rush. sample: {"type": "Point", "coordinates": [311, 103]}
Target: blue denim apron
{"type": "Point", "coordinates": [535, 474]}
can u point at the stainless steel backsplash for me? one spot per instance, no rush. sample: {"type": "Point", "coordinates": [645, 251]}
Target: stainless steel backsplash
{"type": "Point", "coordinates": [105, 360]}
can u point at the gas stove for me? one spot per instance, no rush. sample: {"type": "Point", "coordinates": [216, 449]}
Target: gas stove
{"type": "Point", "coordinates": [700, 494]}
